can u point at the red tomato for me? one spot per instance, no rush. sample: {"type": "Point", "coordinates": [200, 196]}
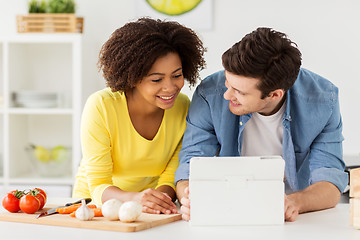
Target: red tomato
{"type": "Point", "coordinates": [42, 192]}
{"type": "Point", "coordinates": [41, 198]}
{"type": "Point", "coordinates": [29, 204]}
{"type": "Point", "coordinates": [18, 193]}
{"type": "Point", "coordinates": [11, 203]}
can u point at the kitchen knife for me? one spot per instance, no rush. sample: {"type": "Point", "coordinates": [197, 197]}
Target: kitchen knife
{"type": "Point", "coordinates": [53, 210]}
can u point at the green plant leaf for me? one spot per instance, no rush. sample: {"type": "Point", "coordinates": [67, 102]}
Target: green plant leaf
{"type": "Point", "coordinates": [62, 6]}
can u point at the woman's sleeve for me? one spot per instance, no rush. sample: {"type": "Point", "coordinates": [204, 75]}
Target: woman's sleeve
{"type": "Point", "coordinates": [96, 147]}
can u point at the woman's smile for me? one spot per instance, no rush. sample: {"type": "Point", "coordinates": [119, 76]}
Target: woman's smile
{"type": "Point", "coordinates": [167, 98]}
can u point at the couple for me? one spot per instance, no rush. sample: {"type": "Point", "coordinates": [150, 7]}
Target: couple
{"type": "Point", "coordinates": [139, 134]}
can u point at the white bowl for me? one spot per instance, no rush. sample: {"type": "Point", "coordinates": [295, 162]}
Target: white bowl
{"type": "Point", "coordinates": [37, 104]}
{"type": "Point", "coordinates": [35, 99]}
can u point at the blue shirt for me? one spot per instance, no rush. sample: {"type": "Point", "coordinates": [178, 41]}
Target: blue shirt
{"type": "Point", "coordinates": [312, 136]}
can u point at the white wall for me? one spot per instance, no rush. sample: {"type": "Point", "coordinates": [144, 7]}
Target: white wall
{"type": "Point", "coordinates": [326, 31]}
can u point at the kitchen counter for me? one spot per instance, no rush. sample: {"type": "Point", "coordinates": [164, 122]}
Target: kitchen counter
{"type": "Point", "coordinates": [328, 224]}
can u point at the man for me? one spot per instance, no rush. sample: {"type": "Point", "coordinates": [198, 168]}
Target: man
{"type": "Point", "coordinates": [264, 104]}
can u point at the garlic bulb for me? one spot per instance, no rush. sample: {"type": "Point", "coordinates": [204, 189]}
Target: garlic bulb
{"type": "Point", "coordinates": [84, 213]}
{"type": "Point", "coordinates": [110, 209]}
{"type": "Point", "coordinates": [130, 211]}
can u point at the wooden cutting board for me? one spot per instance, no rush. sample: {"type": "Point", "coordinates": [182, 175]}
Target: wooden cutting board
{"type": "Point", "coordinates": [145, 221]}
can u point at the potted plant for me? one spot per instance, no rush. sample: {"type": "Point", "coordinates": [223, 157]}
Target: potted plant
{"type": "Point", "coordinates": [62, 6]}
{"type": "Point", "coordinates": [50, 16]}
{"type": "Point", "coordinates": [52, 6]}
{"type": "Point", "coordinates": [36, 6]}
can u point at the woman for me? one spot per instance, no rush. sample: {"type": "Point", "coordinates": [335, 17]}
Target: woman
{"type": "Point", "coordinates": [131, 132]}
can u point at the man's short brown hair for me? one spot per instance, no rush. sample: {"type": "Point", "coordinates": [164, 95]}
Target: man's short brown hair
{"type": "Point", "coordinates": [267, 55]}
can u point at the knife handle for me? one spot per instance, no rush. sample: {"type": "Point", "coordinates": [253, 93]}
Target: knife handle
{"type": "Point", "coordinates": [87, 200]}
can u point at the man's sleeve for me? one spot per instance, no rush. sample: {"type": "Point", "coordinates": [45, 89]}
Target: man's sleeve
{"type": "Point", "coordinates": [326, 153]}
{"type": "Point", "coordinates": [199, 137]}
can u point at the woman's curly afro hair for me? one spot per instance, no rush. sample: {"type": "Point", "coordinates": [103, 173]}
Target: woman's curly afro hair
{"type": "Point", "coordinates": [131, 51]}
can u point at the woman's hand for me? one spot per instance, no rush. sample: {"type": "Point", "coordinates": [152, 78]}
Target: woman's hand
{"type": "Point", "coordinates": [154, 201]}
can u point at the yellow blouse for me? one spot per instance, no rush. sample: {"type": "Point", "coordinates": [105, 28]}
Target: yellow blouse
{"type": "Point", "coordinates": [115, 154]}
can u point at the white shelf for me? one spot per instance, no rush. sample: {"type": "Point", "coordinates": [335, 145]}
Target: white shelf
{"type": "Point", "coordinates": [46, 63]}
{"type": "Point", "coordinates": [42, 38]}
{"type": "Point", "coordinates": [50, 111]}
{"type": "Point", "coordinates": [42, 180]}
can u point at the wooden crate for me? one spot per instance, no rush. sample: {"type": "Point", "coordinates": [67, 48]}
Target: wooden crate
{"type": "Point", "coordinates": [49, 23]}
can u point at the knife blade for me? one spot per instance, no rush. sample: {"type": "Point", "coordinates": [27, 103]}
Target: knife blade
{"type": "Point", "coordinates": [53, 210]}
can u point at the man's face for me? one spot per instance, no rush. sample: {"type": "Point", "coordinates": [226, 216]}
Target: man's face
{"type": "Point", "coordinates": [244, 96]}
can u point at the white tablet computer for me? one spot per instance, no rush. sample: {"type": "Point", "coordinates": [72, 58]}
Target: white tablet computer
{"type": "Point", "coordinates": [236, 190]}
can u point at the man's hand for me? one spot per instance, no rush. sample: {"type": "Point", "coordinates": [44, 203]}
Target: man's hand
{"type": "Point", "coordinates": [291, 209]}
{"type": "Point", "coordinates": [185, 205]}
{"type": "Point", "coordinates": [318, 196]}
{"type": "Point", "coordinates": [182, 192]}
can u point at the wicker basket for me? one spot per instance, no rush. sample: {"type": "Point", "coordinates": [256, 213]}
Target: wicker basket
{"type": "Point", "coordinates": [49, 23]}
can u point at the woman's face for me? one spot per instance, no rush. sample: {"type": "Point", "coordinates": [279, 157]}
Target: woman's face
{"type": "Point", "coordinates": [160, 87]}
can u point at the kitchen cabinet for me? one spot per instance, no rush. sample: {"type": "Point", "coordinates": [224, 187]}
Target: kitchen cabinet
{"type": "Point", "coordinates": [31, 66]}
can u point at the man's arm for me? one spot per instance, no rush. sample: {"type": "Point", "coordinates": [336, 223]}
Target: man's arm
{"type": "Point", "coordinates": [199, 137]}
{"type": "Point", "coordinates": [327, 177]}
{"type": "Point", "coordinates": [326, 151]}
{"type": "Point", "coordinates": [199, 140]}
{"type": "Point", "coordinates": [318, 196]}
